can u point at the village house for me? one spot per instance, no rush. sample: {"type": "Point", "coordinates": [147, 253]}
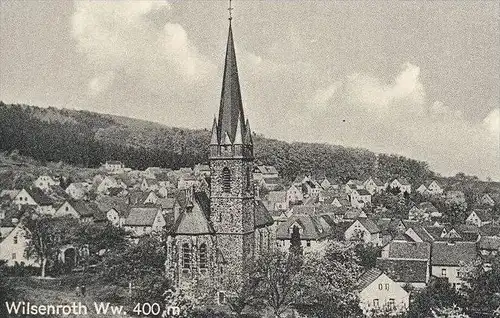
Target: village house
{"type": "Point", "coordinates": [142, 221]}
{"type": "Point", "coordinates": [424, 211]}
{"type": "Point", "coordinates": [78, 190]}
{"type": "Point", "coordinates": [13, 244]}
{"type": "Point", "coordinates": [402, 184]}
{"type": "Point", "coordinates": [447, 259]}
{"type": "Point", "coordinates": [44, 182]}
{"type": "Point", "coordinates": [430, 188]}
{"type": "Point", "coordinates": [271, 184]}
{"type": "Point", "coordinates": [313, 232]}
{"type": "Point", "coordinates": [360, 198]}
{"type": "Point", "coordinates": [406, 272]}
{"type": "Point", "coordinates": [114, 167]}
{"type": "Point", "coordinates": [109, 182]}
{"type": "Point", "coordinates": [479, 217]}
{"type": "Point", "coordinates": [36, 198]}
{"type": "Point", "coordinates": [379, 293]}
{"type": "Point", "coordinates": [202, 170]}
{"type": "Point", "coordinates": [489, 199]}
{"type": "Point", "coordinates": [81, 210]}
{"type": "Point", "coordinates": [294, 194]}
{"type": "Point", "coordinates": [353, 184]}
{"type": "Point", "coordinates": [365, 230]}
{"type": "Point", "coordinates": [311, 188]}
{"type": "Point", "coordinates": [276, 201]}
{"type": "Point", "coordinates": [265, 172]}
{"type": "Point", "coordinates": [374, 185]}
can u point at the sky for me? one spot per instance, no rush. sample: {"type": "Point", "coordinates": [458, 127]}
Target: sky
{"type": "Point", "coordinates": [419, 79]}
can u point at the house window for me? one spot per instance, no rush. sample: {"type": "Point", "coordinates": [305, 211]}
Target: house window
{"type": "Point", "coordinates": [391, 303]}
{"type": "Point", "coordinates": [443, 272]}
{"type": "Point", "coordinates": [386, 286]}
{"type": "Point", "coordinates": [380, 286]}
{"type": "Point", "coordinates": [203, 256]}
{"type": "Point", "coordinates": [375, 303]}
{"type": "Point", "coordinates": [186, 256]}
{"type": "Point", "coordinates": [226, 180]}
{"type": "Point", "coordinates": [13, 255]}
{"type": "Point", "coordinates": [221, 299]}
{"type": "Point", "coordinates": [308, 243]}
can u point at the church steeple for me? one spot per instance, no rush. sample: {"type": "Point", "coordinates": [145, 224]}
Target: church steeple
{"type": "Point", "coordinates": [231, 107]}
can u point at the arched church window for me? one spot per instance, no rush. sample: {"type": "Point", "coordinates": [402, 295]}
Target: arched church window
{"type": "Point", "coordinates": [249, 178]}
{"type": "Point", "coordinates": [186, 256]}
{"type": "Point", "coordinates": [203, 256]}
{"type": "Point", "coordinates": [226, 180]}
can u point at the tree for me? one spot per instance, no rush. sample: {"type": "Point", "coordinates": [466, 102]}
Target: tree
{"type": "Point", "coordinates": [329, 282]}
{"type": "Point", "coordinates": [45, 236]}
{"type": "Point", "coordinates": [439, 294]}
{"type": "Point", "coordinates": [449, 312]}
{"type": "Point", "coordinates": [142, 266]}
{"type": "Point", "coordinates": [280, 274]}
{"type": "Point", "coordinates": [295, 243]}
{"type": "Point", "coordinates": [482, 289]}
{"type": "Point", "coordinates": [367, 254]}
{"type": "Point", "coordinates": [7, 291]}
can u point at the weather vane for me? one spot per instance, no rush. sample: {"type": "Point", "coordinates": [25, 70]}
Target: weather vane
{"type": "Point", "coordinates": [230, 9]}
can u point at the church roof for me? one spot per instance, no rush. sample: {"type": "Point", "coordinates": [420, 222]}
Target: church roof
{"type": "Point", "coordinates": [231, 118]}
{"type": "Point", "coordinates": [194, 218]}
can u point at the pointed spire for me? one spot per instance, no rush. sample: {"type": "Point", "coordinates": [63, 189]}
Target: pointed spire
{"type": "Point", "coordinates": [238, 138]}
{"type": "Point", "coordinates": [226, 141]}
{"type": "Point", "coordinates": [248, 134]}
{"type": "Point", "coordinates": [231, 107]}
{"type": "Point", "coordinates": [215, 138]}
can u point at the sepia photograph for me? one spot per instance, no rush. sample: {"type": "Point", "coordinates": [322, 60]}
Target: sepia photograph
{"type": "Point", "coordinates": [249, 158]}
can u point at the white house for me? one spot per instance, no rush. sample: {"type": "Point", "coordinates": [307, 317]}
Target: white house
{"type": "Point", "coordinates": [360, 198]}
{"type": "Point", "coordinates": [110, 182]}
{"type": "Point", "coordinates": [81, 210]}
{"type": "Point", "coordinates": [430, 188]}
{"type": "Point", "coordinates": [35, 197]}
{"type": "Point", "coordinates": [448, 258]}
{"type": "Point", "coordinates": [78, 190]}
{"type": "Point", "coordinates": [13, 248]}
{"type": "Point", "coordinates": [402, 184]}
{"type": "Point", "coordinates": [44, 182]}
{"type": "Point", "coordinates": [374, 185]}
{"type": "Point", "coordinates": [265, 172]}
{"type": "Point", "coordinates": [114, 167]}
{"type": "Point", "coordinates": [379, 293]}
{"type": "Point", "coordinates": [353, 184]}
{"type": "Point", "coordinates": [294, 194]}
{"type": "Point", "coordinates": [479, 217]}
{"type": "Point", "coordinates": [365, 230]}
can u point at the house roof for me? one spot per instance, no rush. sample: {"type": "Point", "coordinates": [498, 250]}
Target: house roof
{"type": "Point", "coordinates": [369, 225]}
{"type": "Point", "coordinates": [84, 209]}
{"type": "Point", "coordinates": [452, 254]}
{"type": "Point", "coordinates": [267, 169]}
{"type": "Point", "coordinates": [484, 215]}
{"type": "Point", "coordinates": [489, 243]}
{"type": "Point", "coordinates": [490, 229]}
{"type": "Point", "coordinates": [422, 233]}
{"type": "Point", "coordinates": [368, 277]}
{"type": "Point", "coordinates": [262, 215]}
{"type": "Point", "coordinates": [355, 182]}
{"type": "Point", "coordinates": [104, 204]}
{"type": "Point", "coordinates": [39, 196]}
{"type": "Point", "coordinates": [428, 207]}
{"type": "Point", "coordinates": [166, 203]}
{"type": "Point", "coordinates": [141, 216]}
{"type": "Point", "coordinates": [271, 180]}
{"type": "Point", "coordinates": [403, 181]}
{"type": "Point", "coordinates": [353, 213]}
{"type": "Point", "coordinates": [404, 270]}
{"type": "Point", "coordinates": [409, 250]}
{"type": "Point", "coordinates": [194, 218]}
{"type": "Point", "coordinates": [304, 209]}
{"type": "Point", "coordinates": [363, 192]}
{"type": "Point", "coordinates": [313, 228]}
{"type": "Point", "coordinates": [277, 196]}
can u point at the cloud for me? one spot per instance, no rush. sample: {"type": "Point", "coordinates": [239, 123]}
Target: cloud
{"type": "Point", "coordinates": [364, 111]}
{"type": "Point", "coordinates": [124, 38]}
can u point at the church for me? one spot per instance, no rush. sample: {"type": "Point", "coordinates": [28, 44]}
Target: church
{"type": "Point", "coordinates": [217, 231]}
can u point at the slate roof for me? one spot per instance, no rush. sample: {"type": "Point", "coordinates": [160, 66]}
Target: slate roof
{"type": "Point", "coordinates": [262, 215]}
{"type": "Point", "coordinates": [369, 225]}
{"type": "Point", "coordinates": [491, 243]}
{"type": "Point", "coordinates": [352, 213]}
{"type": "Point", "coordinates": [404, 270]}
{"type": "Point", "coordinates": [313, 228]}
{"type": "Point", "coordinates": [277, 196]}
{"type": "Point", "coordinates": [368, 277]}
{"type": "Point", "coordinates": [422, 233]}
{"type": "Point", "coordinates": [267, 169]}
{"type": "Point", "coordinates": [363, 192]}
{"type": "Point", "coordinates": [141, 216]}
{"type": "Point", "coordinates": [484, 215]}
{"type": "Point", "coordinates": [304, 209]}
{"type": "Point", "coordinates": [84, 209]}
{"type": "Point", "coordinates": [39, 196]}
{"type": "Point", "coordinates": [409, 250]}
{"type": "Point", "coordinates": [104, 204]}
{"type": "Point", "coordinates": [452, 254]}
{"type": "Point", "coordinates": [194, 218]}
{"type": "Point", "coordinates": [428, 207]}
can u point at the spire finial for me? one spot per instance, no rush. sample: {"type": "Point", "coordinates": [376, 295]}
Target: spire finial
{"type": "Point", "coordinates": [230, 9]}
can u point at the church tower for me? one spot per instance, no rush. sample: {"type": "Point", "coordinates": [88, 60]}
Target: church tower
{"type": "Point", "coordinates": [232, 207]}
